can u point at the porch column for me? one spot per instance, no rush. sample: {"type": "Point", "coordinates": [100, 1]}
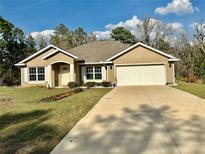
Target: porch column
{"type": "Point", "coordinates": [72, 73]}
{"type": "Point", "coordinates": [49, 75]}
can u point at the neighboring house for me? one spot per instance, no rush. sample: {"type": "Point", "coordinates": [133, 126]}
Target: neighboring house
{"type": "Point", "coordinates": [98, 61]}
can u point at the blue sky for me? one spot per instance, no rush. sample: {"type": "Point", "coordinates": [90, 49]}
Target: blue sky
{"type": "Point", "coordinates": [94, 15]}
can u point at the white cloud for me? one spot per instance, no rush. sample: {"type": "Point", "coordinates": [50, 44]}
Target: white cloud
{"type": "Point", "coordinates": [128, 24]}
{"type": "Point", "coordinates": [131, 25]}
{"type": "Point", "coordinates": [175, 25]}
{"type": "Point", "coordinates": [178, 7]}
{"type": "Point", "coordinates": [102, 35]}
{"type": "Point", "coordinates": [45, 33]}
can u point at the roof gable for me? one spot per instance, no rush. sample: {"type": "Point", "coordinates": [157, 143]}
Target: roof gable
{"type": "Point", "coordinates": [145, 46]}
{"type": "Point", "coordinates": [57, 49]}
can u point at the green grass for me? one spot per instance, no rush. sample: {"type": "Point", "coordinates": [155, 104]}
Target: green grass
{"type": "Point", "coordinates": [197, 89]}
{"type": "Point", "coordinates": [30, 126]}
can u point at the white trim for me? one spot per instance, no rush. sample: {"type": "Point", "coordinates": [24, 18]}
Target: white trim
{"type": "Point", "coordinates": [66, 52]}
{"type": "Point", "coordinates": [83, 74]}
{"type": "Point", "coordinates": [104, 73]}
{"type": "Point", "coordinates": [95, 63]}
{"type": "Point", "coordinates": [173, 60]}
{"type": "Point", "coordinates": [130, 64]}
{"type": "Point", "coordinates": [42, 50]}
{"type": "Point", "coordinates": [23, 64]}
{"type": "Point", "coordinates": [173, 74]}
{"type": "Point", "coordinates": [57, 50]}
{"type": "Point", "coordinates": [60, 62]}
{"type": "Point", "coordinates": [37, 81]}
{"type": "Point", "coordinates": [144, 45]}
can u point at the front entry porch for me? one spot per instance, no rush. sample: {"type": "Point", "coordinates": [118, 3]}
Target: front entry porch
{"type": "Point", "coordinates": [60, 73]}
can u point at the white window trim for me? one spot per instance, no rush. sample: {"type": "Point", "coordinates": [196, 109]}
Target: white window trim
{"type": "Point", "coordinates": [36, 81]}
{"type": "Point", "coordinates": [93, 73]}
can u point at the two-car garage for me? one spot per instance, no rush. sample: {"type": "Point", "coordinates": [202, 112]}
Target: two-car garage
{"type": "Point", "coordinates": [153, 74]}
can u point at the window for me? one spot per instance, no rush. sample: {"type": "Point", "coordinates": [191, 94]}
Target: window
{"type": "Point", "coordinates": [89, 73]}
{"type": "Point", "coordinates": [98, 73]}
{"type": "Point", "coordinates": [36, 74]}
{"type": "Point", "coordinates": [94, 73]}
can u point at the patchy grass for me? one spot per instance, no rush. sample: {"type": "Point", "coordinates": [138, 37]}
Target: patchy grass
{"type": "Point", "coordinates": [30, 126]}
{"type": "Point", "coordinates": [197, 89]}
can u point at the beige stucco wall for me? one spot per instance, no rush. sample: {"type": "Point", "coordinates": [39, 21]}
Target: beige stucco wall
{"type": "Point", "coordinates": [110, 73]}
{"type": "Point", "coordinates": [38, 62]}
{"type": "Point", "coordinates": [143, 55]}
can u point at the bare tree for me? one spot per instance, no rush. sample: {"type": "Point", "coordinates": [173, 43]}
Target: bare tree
{"type": "Point", "coordinates": [186, 53]}
{"type": "Point", "coordinates": [152, 30]}
{"type": "Point", "coordinates": [199, 36]}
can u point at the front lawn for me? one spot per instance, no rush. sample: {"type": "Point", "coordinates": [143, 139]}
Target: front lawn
{"type": "Point", "coordinates": [197, 89]}
{"type": "Point", "coordinates": [30, 126]}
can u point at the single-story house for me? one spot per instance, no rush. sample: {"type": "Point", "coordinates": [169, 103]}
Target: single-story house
{"type": "Point", "coordinates": [98, 61]}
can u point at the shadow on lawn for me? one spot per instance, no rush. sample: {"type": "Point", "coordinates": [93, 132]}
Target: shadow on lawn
{"type": "Point", "coordinates": [139, 131]}
{"type": "Point", "coordinates": [31, 135]}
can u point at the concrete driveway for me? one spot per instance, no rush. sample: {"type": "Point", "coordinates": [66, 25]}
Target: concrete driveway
{"type": "Point", "coordinates": [140, 120]}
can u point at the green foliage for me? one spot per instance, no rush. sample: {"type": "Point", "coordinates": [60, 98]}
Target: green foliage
{"type": "Point", "coordinates": [62, 37]}
{"type": "Point", "coordinates": [106, 84]}
{"type": "Point", "coordinates": [73, 84]}
{"type": "Point", "coordinates": [80, 36]}
{"type": "Point", "coordinates": [14, 47]}
{"type": "Point", "coordinates": [98, 83]}
{"type": "Point", "coordinates": [78, 90]}
{"type": "Point", "coordinates": [89, 84]}
{"type": "Point", "coordinates": [123, 35]}
{"type": "Point", "coordinates": [66, 39]}
{"type": "Point", "coordinates": [203, 79]}
{"type": "Point", "coordinates": [162, 45]}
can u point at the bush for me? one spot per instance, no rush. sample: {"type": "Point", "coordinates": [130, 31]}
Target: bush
{"type": "Point", "coordinates": [191, 78]}
{"type": "Point", "coordinates": [89, 84]}
{"type": "Point", "coordinates": [78, 90]}
{"type": "Point", "coordinates": [106, 84]}
{"type": "Point", "coordinates": [203, 79]}
{"type": "Point", "coordinates": [98, 84]}
{"type": "Point", "coordinates": [181, 78]}
{"type": "Point", "coordinates": [73, 84]}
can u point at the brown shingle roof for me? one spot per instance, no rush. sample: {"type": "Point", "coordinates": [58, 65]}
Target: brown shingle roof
{"type": "Point", "coordinates": [98, 51]}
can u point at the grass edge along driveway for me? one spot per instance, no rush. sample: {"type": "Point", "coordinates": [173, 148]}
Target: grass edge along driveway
{"type": "Point", "coordinates": [197, 89]}
{"type": "Point", "coordinates": [29, 126]}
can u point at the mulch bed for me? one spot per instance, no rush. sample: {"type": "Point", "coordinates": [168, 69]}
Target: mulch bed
{"type": "Point", "coordinates": [58, 97]}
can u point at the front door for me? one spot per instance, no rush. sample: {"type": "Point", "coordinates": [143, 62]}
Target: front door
{"type": "Point", "coordinates": [64, 76]}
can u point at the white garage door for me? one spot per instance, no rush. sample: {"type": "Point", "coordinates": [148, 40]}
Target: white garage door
{"type": "Point", "coordinates": [141, 75]}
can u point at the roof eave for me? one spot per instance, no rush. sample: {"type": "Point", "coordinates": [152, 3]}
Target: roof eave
{"type": "Point", "coordinates": [173, 60]}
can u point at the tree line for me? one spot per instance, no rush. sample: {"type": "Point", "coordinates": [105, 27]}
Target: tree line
{"type": "Point", "coordinates": [190, 49]}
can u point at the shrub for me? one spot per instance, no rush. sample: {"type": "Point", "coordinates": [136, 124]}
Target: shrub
{"type": "Point", "coordinates": [106, 84]}
{"type": "Point", "coordinates": [203, 79]}
{"type": "Point", "coordinates": [73, 84]}
{"type": "Point", "coordinates": [89, 84]}
{"type": "Point", "coordinates": [98, 84]}
{"type": "Point", "coordinates": [191, 78]}
{"type": "Point", "coordinates": [78, 90]}
{"type": "Point", "coordinates": [181, 78]}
